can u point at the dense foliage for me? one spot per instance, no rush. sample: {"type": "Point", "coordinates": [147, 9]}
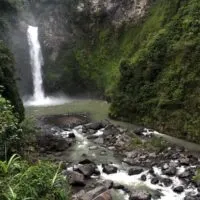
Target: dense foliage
{"type": "Point", "coordinates": [40, 181]}
{"type": "Point", "coordinates": [9, 128]}
{"type": "Point", "coordinates": [159, 83]}
{"type": "Point", "coordinates": [7, 80]}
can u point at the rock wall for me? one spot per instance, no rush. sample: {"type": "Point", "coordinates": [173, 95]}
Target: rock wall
{"type": "Point", "coordinates": [66, 26]}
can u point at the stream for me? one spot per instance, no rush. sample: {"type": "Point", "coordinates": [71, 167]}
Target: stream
{"type": "Point", "coordinates": [168, 177]}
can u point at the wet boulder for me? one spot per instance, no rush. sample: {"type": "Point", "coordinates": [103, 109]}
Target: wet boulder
{"type": "Point", "coordinates": [87, 170]}
{"type": "Point", "coordinates": [170, 171]}
{"type": "Point", "coordinates": [49, 142]}
{"type": "Point", "coordinates": [165, 166]}
{"type": "Point", "coordinates": [143, 178]}
{"type": "Point", "coordinates": [135, 171]}
{"type": "Point", "coordinates": [99, 141]}
{"type": "Point", "coordinates": [85, 161]}
{"type": "Point", "coordinates": [178, 189]}
{"type": "Point", "coordinates": [109, 169]}
{"type": "Point", "coordinates": [167, 182]}
{"type": "Point", "coordinates": [140, 195]}
{"type": "Point", "coordinates": [139, 131]}
{"type": "Point", "coordinates": [118, 186]}
{"type": "Point", "coordinates": [111, 130]}
{"type": "Point", "coordinates": [154, 180]}
{"type": "Point", "coordinates": [94, 126]}
{"type": "Point", "coordinates": [185, 174]}
{"type": "Point", "coordinates": [184, 161]}
{"type": "Point", "coordinates": [71, 135]}
{"type": "Point", "coordinates": [75, 178]}
{"type": "Point", "coordinates": [108, 184]}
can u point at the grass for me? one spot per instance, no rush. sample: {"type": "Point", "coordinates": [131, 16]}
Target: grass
{"type": "Point", "coordinates": [152, 144]}
{"type": "Point", "coordinates": [21, 180]}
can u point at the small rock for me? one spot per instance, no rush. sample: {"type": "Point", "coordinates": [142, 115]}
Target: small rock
{"type": "Point", "coordinates": [111, 148]}
{"type": "Point", "coordinates": [91, 131]}
{"type": "Point", "coordinates": [143, 177]}
{"type": "Point", "coordinates": [94, 126]}
{"type": "Point", "coordinates": [152, 155]}
{"type": "Point", "coordinates": [97, 172]}
{"type": "Point", "coordinates": [151, 171]}
{"type": "Point", "coordinates": [167, 182]}
{"type": "Point", "coordinates": [184, 161]}
{"type": "Point", "coordinates": [185, 174]}
{"type": "Point", "coordinates": [118, 186]}
{"type": "Point", "coordinates": [154, 180]}
{"type": "Point", "coordinates": [165, 166]}
{"type": "Point", "coordinates": [103, 153]}
{"type": "Point", "coordinates": [178, 189]}
{"type": "Point", "coordinates": [71, 135]}
{"type": "Point", "coordinates": [171, 171]}
{"type": "Point", "coordinates": [99, 141]}
{"type": "Point", "coordinates": [85, 161]}
{"type": "Point", "coordinates": [108, 184]}
{"type": "Point", "coordinates": [93, 148]}
{"type": "Point", "coordinates": [175, 156]}
{"type": "Point", "coordinates": [135, 171]}
{"type": "Point", "coordinates": [139, 131]}
{"type": "Point", "coordinates": [109, 169]}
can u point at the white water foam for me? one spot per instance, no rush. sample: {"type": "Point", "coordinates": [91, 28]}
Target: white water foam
{"type": "Point", "coordinates": [167, 192]}
{"type": "Point", "coordinates": [39, 98]}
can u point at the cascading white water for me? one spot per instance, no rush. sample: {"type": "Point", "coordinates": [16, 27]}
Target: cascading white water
{"type": "Point", "coordinates": [36, 61]}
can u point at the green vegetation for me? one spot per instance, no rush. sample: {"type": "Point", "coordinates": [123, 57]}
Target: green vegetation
{"type": "Point", "coordinates": [7, 80]}
{"type": "Point", "coordinates": [9, 129]}
{"type": "Point", "coordinates": [159, 83]}
{"type": "Point", "coordinates": [20, 179]}
{"type": "Point", "coordinates": [39, 181]}
{"type": "Point", "coordinates": [151, 144]}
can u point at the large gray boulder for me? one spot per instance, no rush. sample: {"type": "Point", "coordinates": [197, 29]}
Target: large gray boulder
{"type": "Point", "coordinates": [135, 171]}
{"type": "Point", "coordinates": [87, 170]}
{"type": "Point", "coordinates": [75, 178]}
{"type": "Point", "coordinates": [170, 171]}
{"type": "Point", "coordinates": [109, 169]}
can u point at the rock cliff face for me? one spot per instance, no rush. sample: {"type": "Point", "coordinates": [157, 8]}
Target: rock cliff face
{"type": "Point", "coordinates": [66, 26]}
{"type": "Point", "coordinates": [60, 21]}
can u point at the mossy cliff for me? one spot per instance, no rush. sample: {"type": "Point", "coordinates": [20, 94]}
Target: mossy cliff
{"type": "Point", "coordinates": [159, 79]}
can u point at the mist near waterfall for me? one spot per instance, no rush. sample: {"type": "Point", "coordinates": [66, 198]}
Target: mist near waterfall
{"type": "Point", "coordinates": [36, 61]}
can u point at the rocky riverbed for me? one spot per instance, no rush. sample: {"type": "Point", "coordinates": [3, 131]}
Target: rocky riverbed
{"type": "Point", "coordinates": [103, 161]}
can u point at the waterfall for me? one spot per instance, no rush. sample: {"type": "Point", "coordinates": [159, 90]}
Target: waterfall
{"type": "Point", "coordinates": [36, 63]}
{"type": "Point", "coordinates": [36, 60]}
